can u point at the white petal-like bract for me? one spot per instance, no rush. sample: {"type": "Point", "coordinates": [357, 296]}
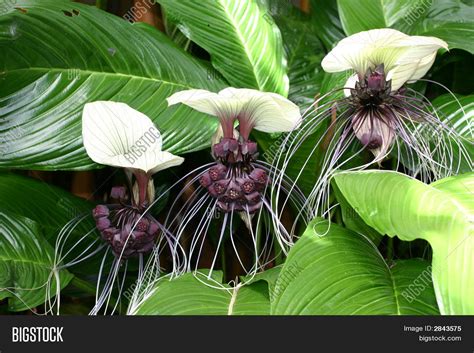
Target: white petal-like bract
{"type": "Point", "coordinates": [211, 103]}
{"type": "Point", "coordinates": [405, 58]}
{"type": "Point", "coordinates": [114, 134]}
{"type": "Point", "coordinates": [268, 112]}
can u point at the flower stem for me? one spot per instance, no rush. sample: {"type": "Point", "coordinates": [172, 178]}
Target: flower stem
{"type": "Point", "coordinates": [390, 250]}
{"type": "Point", "coordinates": [142, 181]}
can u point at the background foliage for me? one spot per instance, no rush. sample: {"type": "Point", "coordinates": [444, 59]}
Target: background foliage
{"type": "Point", "coordinates": [389, 235]}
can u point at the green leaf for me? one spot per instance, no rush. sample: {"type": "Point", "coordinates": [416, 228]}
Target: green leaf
{"type": "Point", "coordinates": [244, 43]}
{"type": "Point", "coordinates": [172, 30]}
{"type": "Point", "coordinates": [58, 55]}
{"type": "Point", "coordinates": [451, 20]}
{"type": "Point", "coordinates": [51, 208]}
{"type": "Point", "coordinates": [361, 15]}
{"type": "Point", "coordinates": [304, 53]}
{"type": "Point", "coordinates": [26, 264]}
{"type": "Point", "coordinates": [353, 221]}
{"type": "Point", "coordinates": [333, 271]}
{"type": "Point", "coordinates": [270, 276]}
{"type": "Point", "coordinates": [188, 295]}
{"type": "Point", "coordinates": [326, 20]}
{"type": "Point", "coordinates": [440, 213]}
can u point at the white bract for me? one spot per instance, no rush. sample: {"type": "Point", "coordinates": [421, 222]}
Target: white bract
{"type": "Point", "coordinates": [267, 112]}
{"type": "Point", "coordinates": [405, 58]}
{"type": "Point", "coordinates": [116, 135]}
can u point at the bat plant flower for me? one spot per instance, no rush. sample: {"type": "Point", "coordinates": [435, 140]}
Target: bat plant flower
{"type": "Point", "coordinates": [236, 181]}
{"type": "Point", "coordinates": [377, 110]}
{"type": "Point", "coordinates": [116, 135]}
{"type": "Point", "coordinates": [383, 61]}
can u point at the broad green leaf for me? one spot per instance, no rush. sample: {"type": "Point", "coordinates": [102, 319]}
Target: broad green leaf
{"type": "Point", "coordinates": [304, 53]}
{"type": "Point", "coordinates": [190, 295]}
{"type": "Point", "coordinates": [457, 35]}
{"type": "Point", "coordinates": [48, 205]}
{"type": "Point", "coordinates": [172, 30]}
{"type": "Point", "coordinates": [270, 276]}
{"type": "Point", "coordinates": [244, 43]}
{"type": "Point", "coordinates": [451, 20]}
{"type": "Point", "coordinates": [326, 20]}
{"type": "Point", "coordinates": [58, 55]}
{"type": "Point", "coordinates": [441, 213]}
{"type": "Point", "coordinates": [333, 271]}
{"type": "Point", "coordinates": [353, 221]}
{"type": "Point", "coordinates": [361, 15]}
{"type": "Point", "coordinates": [26, 264]}
{"type": "Point", "coordinates": [51, 208]}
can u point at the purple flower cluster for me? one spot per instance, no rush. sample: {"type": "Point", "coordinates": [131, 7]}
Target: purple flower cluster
{"type": "Point", "coordinates": [234, 181]}
{"type": "Point", "coordinates": [115, 225]}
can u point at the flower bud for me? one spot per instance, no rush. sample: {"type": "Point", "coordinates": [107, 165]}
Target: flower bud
{"type": "Point", "coordinates": [102, 223]}
{"type": "Point", "coordinates": [153, 229]}
{"type": "Point", "coordinates": [376, 79]}
{"type": "Point", "coordinates": [247, 185]}
{"type": "Point", "coordinates": [254, 198]}
{"type": "Point", "coordinates": [109, 233]}
{"type": "Point", "coordinates": [259, 176]}
{"type": "Point", "coordinates": [205, 180]}
{"type": "Point", "coordinates": [234, 191]}
{"type": "Point", "coordinates": [100, 211]}
{"type": "Point", "coordinates": [249, 148]}
{"type": "Point", "coordinates": [142, 225]}
{"type": "Point", "coordinates": [218, 188]}
{"type": "Point", "coordinates": [118, 193]}
{"type": "Point", "coordinates": [218, 172]}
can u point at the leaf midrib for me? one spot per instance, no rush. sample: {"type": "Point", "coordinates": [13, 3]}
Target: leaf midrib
{"type": "Point", "coordinates": [90, 72]}
{"type": "Point", "coordinates": [244, 43]}
{"type": "Point", "coordinates": [39, 264]}
{"type": "Point", "coordinates": [394, 286]}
